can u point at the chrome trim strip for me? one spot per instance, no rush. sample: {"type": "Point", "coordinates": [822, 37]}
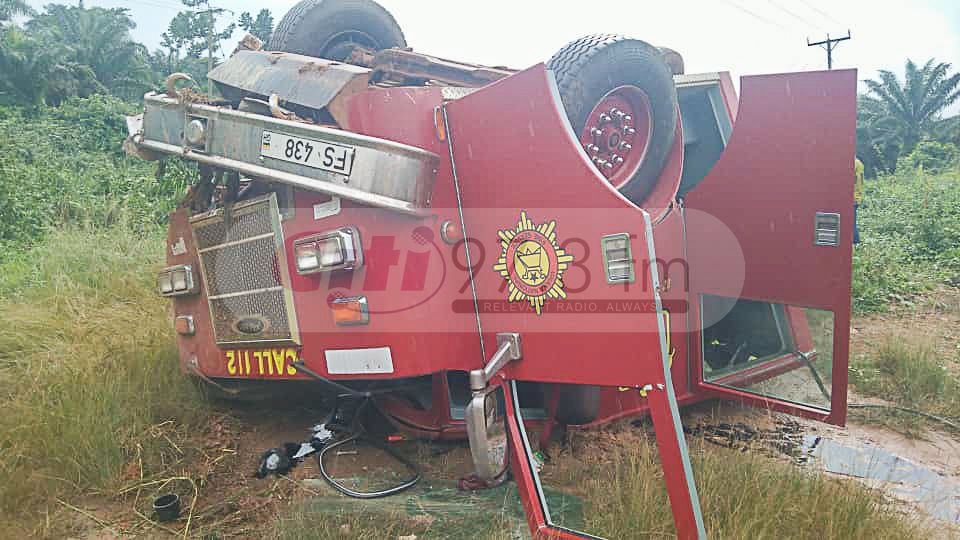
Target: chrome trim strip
{"type": "Point", "coordinates": [668, 379]}
{"type": "Point", "coordinates": [463, 230]}
{"type": "Point", "coordinates": [245, 293]}
{"type": "Point", "coordinates": [295, 180]}
{"type": "Point", "coordinates": [236, 242]}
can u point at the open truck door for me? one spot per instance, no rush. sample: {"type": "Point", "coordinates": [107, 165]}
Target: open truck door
{"type": "Point", "coordinates": [783, 187]}
{"type": "Point", "coordinates": [564, 293]}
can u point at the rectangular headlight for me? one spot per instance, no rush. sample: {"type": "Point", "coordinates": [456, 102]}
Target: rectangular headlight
{"type": "Point", "coordinates": [165, 283]}
{"type": "Point", "coordinates": [335, 250]}
{"type": "Point", "coordinates": [180, 280]}
{"type": "Point", "coordinates": [176, 281]}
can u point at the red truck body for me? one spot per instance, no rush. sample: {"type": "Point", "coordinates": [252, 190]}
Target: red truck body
{"type": "Point", "coordinates": [516, 238]}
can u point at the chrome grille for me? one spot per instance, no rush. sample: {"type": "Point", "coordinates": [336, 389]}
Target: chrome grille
{"type": "Point", "coordinates": [244, 273]}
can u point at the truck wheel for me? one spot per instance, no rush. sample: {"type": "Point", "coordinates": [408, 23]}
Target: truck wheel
{"type": "Point", "coordinates": [621, 101]}
{"type": "Point", "coordinates": [331, 28]}
{"type": "Point", "coordinates": [578, 404]}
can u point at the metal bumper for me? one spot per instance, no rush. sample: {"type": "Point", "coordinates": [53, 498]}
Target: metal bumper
{"type": "Point", "coordinates": [385, 174]}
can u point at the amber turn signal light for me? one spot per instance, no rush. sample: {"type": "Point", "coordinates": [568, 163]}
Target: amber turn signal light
{"type": "Point", "coordinates": [350, 311]}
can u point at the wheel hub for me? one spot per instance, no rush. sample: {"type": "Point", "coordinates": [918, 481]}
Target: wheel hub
{"type": "Point", "coordinates": [617, 133]}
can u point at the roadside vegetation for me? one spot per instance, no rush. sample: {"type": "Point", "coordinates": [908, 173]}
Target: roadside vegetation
{"type": "Point", "coordinates": [88, 371]}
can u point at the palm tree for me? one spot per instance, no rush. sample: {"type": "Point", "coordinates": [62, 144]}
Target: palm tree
{"type": "Point", "coordinates": [910, 111]}
{"type": "Point", "coordinates": [98, 38]}
{"type": "Point", "coordinates": [13, 8]}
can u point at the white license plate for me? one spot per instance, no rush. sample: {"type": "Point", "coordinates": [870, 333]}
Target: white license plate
{"type": "Point", "coordinates": [335, 158]}
{"type": "Point", "coordinates": [359, 361]}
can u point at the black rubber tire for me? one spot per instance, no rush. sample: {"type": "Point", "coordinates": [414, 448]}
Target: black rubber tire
{"type": "Point", "coordinates": [321, 28]}
{"type": "Point", "coordinates": [578, 404]}
{"type": "Point", "coordinates": [590, 67]}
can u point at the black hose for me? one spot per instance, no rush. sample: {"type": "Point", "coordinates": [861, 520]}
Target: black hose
{"type": "Point", "coordinates": [823, 390]}
{"type": "Point", "coordinates": [358, 433]}
{"type": "Point", "coordinates": [940, 419]}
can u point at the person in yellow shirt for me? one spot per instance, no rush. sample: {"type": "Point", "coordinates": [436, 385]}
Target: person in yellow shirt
{"type": "Point", "coordinates": [857, 196]}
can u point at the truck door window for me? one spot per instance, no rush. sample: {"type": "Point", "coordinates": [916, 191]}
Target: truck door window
{"type": "Point", "coordinates": [769, 349]}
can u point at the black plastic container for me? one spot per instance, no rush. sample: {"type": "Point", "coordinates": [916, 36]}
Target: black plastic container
{"type": "Point", "coordinates": [167, 507]}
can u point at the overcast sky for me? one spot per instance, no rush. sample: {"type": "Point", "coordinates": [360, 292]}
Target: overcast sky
{"type": "Point", "coordinates": [741, 36]}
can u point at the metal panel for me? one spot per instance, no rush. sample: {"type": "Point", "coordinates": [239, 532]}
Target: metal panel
{"type": "Point", "coordinates": [790, 158]}
{"type": "Point", "coordinates": [301, 80]}
{"type": "Point", "coordinates": [384, 173]}
{"type": "Point", "coordinates": [245, 272]}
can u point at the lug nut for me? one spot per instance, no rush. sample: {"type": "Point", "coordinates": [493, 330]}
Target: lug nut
{"type": "Point", "coordinates": [595, 159]}
{"type": "Point", "coordinates": [596, 132]}
{"type": "Point", "coordinates": [600, 162]}
{"type": "Point", "coordinates": [625, 146]}
{"type": "Point", "coordinates": [592, 148]}
{"type": "Point", "coordinates": [608, 165]}
{"type": "Point", "coordinates": [617, 159]}
{"type": "Point", "coordinates": [629, 130]}
{"type": "Point", "coordinates": [604, 118]}
{"type": "Point", "coordinates": [627, 118]}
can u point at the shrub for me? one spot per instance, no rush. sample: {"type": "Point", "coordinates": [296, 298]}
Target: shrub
{"type": "Point", "coordinates": [64, 165]}
{"type": "Point", "coordinates": [910, 231]}
{"type": "Point", "coordinates": [932, 157]}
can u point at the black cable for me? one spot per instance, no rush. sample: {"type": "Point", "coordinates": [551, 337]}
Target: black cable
{"type": "Point", "coordinates": [359, 435]}
{"type": "Point", "coordinates": [823, 390]}
{"type": "Point", "coordinates": [942, 420]}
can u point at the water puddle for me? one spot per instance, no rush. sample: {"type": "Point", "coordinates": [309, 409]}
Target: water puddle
{"type": "Point", "coordinates": [902, 478]}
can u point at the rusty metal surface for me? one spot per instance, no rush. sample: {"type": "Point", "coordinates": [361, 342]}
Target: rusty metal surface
{"type": "Point", "coordinates": [301, 80]}
{"type": "Point", "coordinates": [400, 66]}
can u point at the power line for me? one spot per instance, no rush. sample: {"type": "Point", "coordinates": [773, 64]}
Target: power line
{"type": "Point", "coordinates": [794, 15]}
{"type": "Point", "coordinates": [755, 16]}
{"type": "Point", "coordinates": [822, 13]}
{"type": "Point", "coordinates": [829, 44]}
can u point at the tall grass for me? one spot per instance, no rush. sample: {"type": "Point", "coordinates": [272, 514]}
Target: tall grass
{"type": "Point", "coordinates": [911, 374]}
{"type": "Point", "coordinates": [616, 475]}
{"type": "Point", "coordinates": [743, 495]}
{"type": "Point", "coordinates": [87, 365]}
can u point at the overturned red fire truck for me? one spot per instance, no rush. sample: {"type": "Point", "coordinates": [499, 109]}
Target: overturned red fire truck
{"type": "Point", "coordinates": [482, 251]}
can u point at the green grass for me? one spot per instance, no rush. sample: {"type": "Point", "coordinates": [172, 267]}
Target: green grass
{"type": "Point", "coordinates": [617, 475]}
{"type": "Point", "coordinates": [88, 367]}
{"type": "Point", "coordinates": [743, 495]}
{"type": "Point", "coordinates": [910, 374]}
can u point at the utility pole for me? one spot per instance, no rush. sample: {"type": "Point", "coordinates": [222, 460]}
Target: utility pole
{"type": "Point", "coordinates": [829, 44]}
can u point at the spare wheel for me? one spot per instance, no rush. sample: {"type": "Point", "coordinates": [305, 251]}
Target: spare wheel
{"type": "Point", "coordinates": [619, 96]}
{"type": "Point", "coordinates": [332, 28]}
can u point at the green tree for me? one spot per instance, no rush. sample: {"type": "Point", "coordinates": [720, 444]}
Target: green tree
{"type": "Point", "coordinates": [33, 71]}
{"type": "Point", "coordinates": [100, 39]}
{"type": "Point", "coordinates": [262, 26]}
{"type": "Point", "coordinates": [911, 109]}
{"type": "Point", "coordinates": [196, 31]}
{"type": "Point", "coordinates": [13, 8]}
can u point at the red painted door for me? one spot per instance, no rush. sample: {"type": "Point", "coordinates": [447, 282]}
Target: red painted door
{"type": "Point", "coordinates": [769, 248]}
{"type": "Point", "coordinates": [561, 258]}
